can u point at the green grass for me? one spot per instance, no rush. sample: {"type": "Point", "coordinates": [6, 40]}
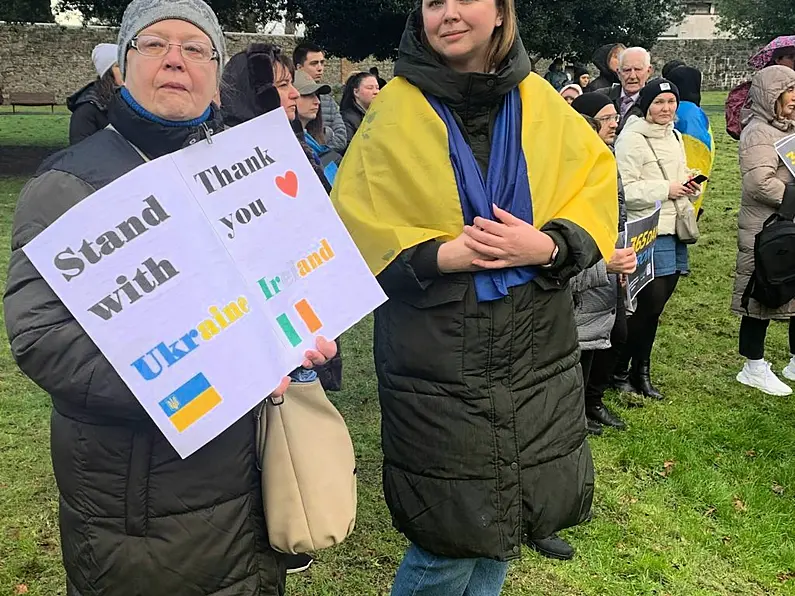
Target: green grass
{"type": "Point", "coordinates": [719, 520]}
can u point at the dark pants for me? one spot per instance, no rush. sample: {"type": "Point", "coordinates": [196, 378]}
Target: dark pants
{"type": "Point", "coordinates": [752, 337]}
{"type": "Point", "coordinates": [642, 325]}
{"type": "Point", "coordinates": [598, 366]}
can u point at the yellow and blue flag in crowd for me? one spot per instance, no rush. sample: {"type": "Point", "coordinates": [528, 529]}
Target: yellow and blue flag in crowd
{"type": "Point", "coordinates": [693, 124]}
{"type": "Point", "coordinates": [190, 402]}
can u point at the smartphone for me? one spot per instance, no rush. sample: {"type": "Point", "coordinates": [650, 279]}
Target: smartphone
{"type": "Point", "coordinates": [700, 179]}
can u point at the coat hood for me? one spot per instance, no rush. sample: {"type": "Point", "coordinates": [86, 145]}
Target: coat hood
{"type": "Point", "coordinates": [247, 89]}
{"type": "Point", "coordinates": [600, 61]}
{"type": "Point", "coordinates": [87, 94]}
{"type": "Point", "coordinates": [688, 80]}
{"type": "Point", "coordinates": [767, 85]}
{"type": "Point", "coordinates": [424, 69]}
{"type": "Point", "coordinates": [647, 129]}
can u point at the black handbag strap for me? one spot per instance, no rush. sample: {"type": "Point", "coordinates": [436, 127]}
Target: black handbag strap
{"type": "Point", "coordinates": [787, 209]}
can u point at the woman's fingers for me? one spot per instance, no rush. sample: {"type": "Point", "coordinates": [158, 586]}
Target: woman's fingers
{"type": "Point", "coordinates": [279, 391]}
{"type": "Point", "coordinates": [493, 227]}
{"type": "Point", "coordinates": [484, 236]}
{"type": "Point", "coordinates": [495, 264]}
{"type": "Point", "coordinates": [483, 249]}
{"type": "Point", "coordinates": [326, 350]}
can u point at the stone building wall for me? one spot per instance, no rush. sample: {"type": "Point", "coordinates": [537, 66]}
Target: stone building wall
{"type": "Point", "coordinates": [58, 59]}
{"type": "Point", "coordinates": [52, 58]}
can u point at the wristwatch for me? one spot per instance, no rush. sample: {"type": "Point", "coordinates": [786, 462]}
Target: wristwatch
{"type": "Point", "coordinates": [552, 257]}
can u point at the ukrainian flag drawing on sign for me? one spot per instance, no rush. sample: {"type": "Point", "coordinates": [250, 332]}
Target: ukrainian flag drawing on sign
{"type": "Point", "coordinates": [190, 402]}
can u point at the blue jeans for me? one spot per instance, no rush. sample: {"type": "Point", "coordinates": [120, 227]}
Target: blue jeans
{"type": "Point", "coordinates": [424, 574]}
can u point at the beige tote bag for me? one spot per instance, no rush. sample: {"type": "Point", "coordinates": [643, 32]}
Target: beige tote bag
{"type": "Point", "coordinates": [308, 470]}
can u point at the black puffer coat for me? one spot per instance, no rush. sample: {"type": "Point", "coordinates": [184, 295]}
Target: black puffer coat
{"type": "Point", "coordinates": [135, 519]}
{"type": "Point", "coordinates": [89, 113]}
{"type": "Point", "coordinates": [483, 427]}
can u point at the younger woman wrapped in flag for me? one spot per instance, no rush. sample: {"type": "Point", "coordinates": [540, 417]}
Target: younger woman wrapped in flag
{"type": "Point", "coordinates": [474, 192]}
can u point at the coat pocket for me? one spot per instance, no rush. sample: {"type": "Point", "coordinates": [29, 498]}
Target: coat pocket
{"type": "Point", "coordinates": [421, 335]}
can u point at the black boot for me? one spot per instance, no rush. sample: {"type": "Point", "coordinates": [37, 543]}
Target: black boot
{"type": "Point", "coordinates": [553, 547]}
{"type": "Point", "coordinates": [640, 377]}
{"type": "Point", "coordinates": [602, 416]}
{"type": "Point", "coordinates": [621, 381]}
{"type": "Point", "coordinates": [594, 428]}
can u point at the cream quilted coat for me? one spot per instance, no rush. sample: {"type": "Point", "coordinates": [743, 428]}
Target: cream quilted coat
{"type": "Point", "coordinates": [764, 177]}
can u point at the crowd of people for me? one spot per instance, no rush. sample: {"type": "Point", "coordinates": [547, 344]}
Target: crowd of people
{"type": "Point", "coordinates": [489, 203]}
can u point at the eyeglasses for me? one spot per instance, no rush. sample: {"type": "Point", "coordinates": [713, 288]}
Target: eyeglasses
{"type": "Point", "coordinates": [610, 118]}
{"type": "Point", "coordinates": [153, 46]}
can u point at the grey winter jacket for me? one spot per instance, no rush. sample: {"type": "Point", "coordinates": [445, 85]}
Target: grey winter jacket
{"type": "Point", "coordinates": [595, 293]}
{"type": "Point", "coordinates": [334, 126]}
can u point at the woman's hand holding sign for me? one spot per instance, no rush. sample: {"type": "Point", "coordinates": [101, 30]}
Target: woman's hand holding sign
{"type": "Point", "coordinates": [509, 242]}
{"type": "Point", "coordinates": [326, 350]}
{"type": "Point", "coordinates": [623, 261]}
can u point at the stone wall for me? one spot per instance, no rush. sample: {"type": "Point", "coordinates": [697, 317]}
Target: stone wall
{"type": "Point", "coordinates": [58, 59]}
{"type": "Point", "coordinates": [724, 62]}
{"type": "Point", "coordinates": [52, 58]}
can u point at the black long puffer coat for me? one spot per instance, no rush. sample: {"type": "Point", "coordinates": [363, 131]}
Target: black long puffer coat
{"type": "Point", "coordinates": [135, 519]}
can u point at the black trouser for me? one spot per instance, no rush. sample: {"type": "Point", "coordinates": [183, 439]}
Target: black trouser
{"type": "Point", "coordinates": [642, 325]}
{"type": "Point", "coordinates": [752, 337]}
{"type": "Point", "coordinates": [602, 363]}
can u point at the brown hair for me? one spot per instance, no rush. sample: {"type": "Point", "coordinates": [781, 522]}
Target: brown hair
{"type": "Point", "coordinates": [504, 36]}
{"type": "Point", "coordinates": [315, 127]}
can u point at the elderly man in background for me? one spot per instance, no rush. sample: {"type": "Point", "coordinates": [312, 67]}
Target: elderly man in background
{"type": "Point", "coordinates": [634, 70]}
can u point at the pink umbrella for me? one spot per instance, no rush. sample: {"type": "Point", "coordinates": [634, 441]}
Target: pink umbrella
{"type": "Point", "coordinates": [763, 57]}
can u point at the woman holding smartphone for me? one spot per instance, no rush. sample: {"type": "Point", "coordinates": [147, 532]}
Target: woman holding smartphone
{"type": "Point", "coordinates": [652, 163]}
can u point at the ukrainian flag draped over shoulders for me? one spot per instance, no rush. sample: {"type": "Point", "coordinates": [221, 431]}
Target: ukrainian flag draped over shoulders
{"type": "Point", "coordinates": [693, 124]}
{"type": "Point", "coordinates": [396, 188]}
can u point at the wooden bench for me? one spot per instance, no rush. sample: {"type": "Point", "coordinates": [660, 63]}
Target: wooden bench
{"type": "Point", "coordinates": [31, 99]}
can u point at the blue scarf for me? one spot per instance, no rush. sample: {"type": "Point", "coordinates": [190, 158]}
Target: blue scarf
{"type": "Point", "coordinates": [318, 150]}
{"type": "Point", "coordinates": [506, 185]}
{"type": "Point", "coordinates": [144, 113]}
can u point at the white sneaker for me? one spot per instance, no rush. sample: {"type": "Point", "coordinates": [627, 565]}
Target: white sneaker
{"type": "Point", "coordinates": [789, 370]}
{"type": "Point", "coordinates": [764, 379]}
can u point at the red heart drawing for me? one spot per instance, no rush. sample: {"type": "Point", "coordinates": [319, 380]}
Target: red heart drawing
{"type": "Point", "coordinates": [288, 183]}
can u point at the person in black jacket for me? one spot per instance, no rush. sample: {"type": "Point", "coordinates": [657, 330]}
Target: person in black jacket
{"type": "Point", "coordinates": [482, 416]}
{"type": "Point", "coordinates": [606, 60]}
{"type": "Point", "coordinates": [135, 518]}
{"type": "Point", "coordinates": [89, 106]}
{"type": "Point", "coordinates": [360, 91]}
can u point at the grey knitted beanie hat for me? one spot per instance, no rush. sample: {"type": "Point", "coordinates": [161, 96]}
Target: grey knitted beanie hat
{"type": "Point", "coordinates": [141, 14]}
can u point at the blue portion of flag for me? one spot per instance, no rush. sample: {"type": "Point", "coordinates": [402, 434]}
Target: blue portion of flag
{"type": "Point", "coordinates": [693, 122]}
{"type": "Point", "coordinates": [185, 394]}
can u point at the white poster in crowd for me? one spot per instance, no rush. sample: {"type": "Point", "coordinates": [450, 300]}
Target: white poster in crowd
{"type": "Point", "coordinates": [202, 300]}
{"type": "Point", "coordinates": [786, 151]}
{"type": "Point", "coordinates": [641, 234]}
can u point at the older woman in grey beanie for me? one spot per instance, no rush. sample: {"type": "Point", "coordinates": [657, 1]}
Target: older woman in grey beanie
{"type": "Point", "coordinates": [135, 519]}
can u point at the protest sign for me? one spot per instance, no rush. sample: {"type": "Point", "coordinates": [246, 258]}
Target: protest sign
{"type": "Point", "coordinates": [204, 276]}
{"type": "Point", "coordinates": [786, 151]}
{"type": "Point", "coordinates": [641, 234]}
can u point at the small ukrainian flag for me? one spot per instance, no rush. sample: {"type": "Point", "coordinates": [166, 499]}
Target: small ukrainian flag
{"type": "Point", "coordinates": [190, 402]}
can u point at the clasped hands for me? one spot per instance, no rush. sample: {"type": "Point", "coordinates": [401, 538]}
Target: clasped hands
{"type": "Point", "coordinates": [326, 350]}
{"type": "Point", "coordinates": [488, 245]}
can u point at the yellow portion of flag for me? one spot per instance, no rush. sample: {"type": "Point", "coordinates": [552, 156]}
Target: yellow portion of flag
{"type": "Point", "coordinates": [396, 189]}
{"type": "Point", "coordinates": [195, 409]}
